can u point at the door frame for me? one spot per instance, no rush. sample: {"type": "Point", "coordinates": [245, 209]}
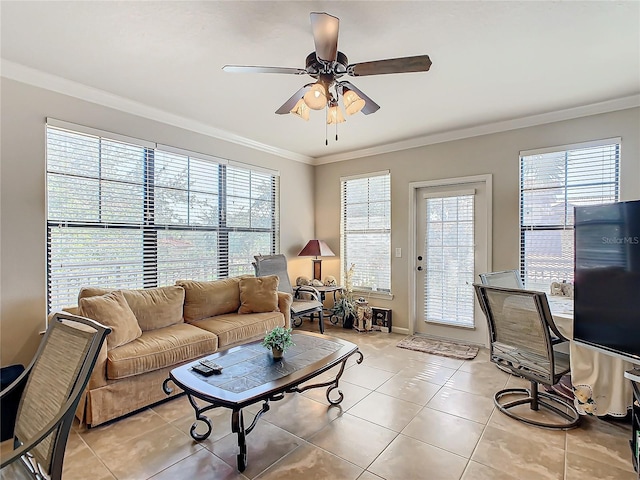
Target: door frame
{"type": "Point", "coordinates": [487, 179]}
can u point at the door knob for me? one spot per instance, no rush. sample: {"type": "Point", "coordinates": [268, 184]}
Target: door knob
{"type": "Point", "coordinates": [419, 268]}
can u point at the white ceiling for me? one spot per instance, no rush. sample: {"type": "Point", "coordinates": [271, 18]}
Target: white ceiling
{"type": "Point", "coordinates": [492, 62]}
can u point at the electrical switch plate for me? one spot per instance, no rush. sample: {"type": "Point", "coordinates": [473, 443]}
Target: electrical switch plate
{"type": "Point", "coordinates": [398, 252]}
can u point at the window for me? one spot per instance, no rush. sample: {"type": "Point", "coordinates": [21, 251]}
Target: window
{"type": "Point", "coordinates": [366, 230]}
{"type": "Point", "coordinates": [125, 213]}
{"type": "Point", "coordinates": [552, 182]}
{"type": "Point", "coordinates": [449, 249]}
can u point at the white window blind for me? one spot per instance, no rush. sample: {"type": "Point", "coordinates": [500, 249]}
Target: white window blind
{"type": "Point", "coordinates": [552, 182]}
{"type": "Point", "coordinates": [123, 215]}
{"type": "Point", "coordinates": [366, 231]}
{"type": "Point", "coordinates": [449, 249]}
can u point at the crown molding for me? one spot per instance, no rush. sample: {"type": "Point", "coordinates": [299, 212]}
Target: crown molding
{"type": "Point", "coordinates": [37, 78]}
{"type": "Point", "coordinates": [489, 128]}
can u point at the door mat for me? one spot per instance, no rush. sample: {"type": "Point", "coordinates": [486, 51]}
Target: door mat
{"type": "Point", "coordinates": [439, 347]}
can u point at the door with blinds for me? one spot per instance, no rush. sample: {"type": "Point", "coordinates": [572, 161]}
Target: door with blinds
{"type": "Point", "coordinates": [451, 250]}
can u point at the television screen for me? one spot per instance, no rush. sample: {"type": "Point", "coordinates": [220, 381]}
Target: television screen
{"type": "Point", "coordinates": [607, 278]}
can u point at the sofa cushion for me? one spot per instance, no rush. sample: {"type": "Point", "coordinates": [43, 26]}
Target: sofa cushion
{"type": "Point", "coordinates": [112, 310]}
{"type": "Point", "coordinates": [153, 307]}
{"type": "Point", "coordinates": [234, 328]}
{"type": "Point", "coordinates": [208, 299]}
{"type": "Point", "coordinates": [159, 348]}
{"type": "Point", "coordinates": [259, 294]}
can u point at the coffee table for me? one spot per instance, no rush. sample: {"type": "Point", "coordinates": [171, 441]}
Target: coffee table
{"type": "Point", "coordinates": [250, 375]}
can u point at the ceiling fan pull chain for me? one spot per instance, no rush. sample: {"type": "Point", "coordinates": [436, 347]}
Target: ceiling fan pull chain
{"type": "Point", "coordinates": [336, 132]}
{"type": "Point", "coordinates": [326, 129]}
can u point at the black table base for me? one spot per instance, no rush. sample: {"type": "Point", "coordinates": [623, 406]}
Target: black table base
{"type": "Point", "coordinates": [237, 418]}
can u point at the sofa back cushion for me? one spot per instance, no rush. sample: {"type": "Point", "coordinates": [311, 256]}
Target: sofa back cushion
{"type": "Point", "coordinates": [208, 299]}
{"type": "Point", "coordinates": [153, 307]}
{"type": "Point", "coordinates": [112, 310]}
{"type": "Point", "coordinates": [259, 294]}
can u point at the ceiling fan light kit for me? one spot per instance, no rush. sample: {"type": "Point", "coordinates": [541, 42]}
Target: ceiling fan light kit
{"type": "Point", "coordinates": [327, 65]}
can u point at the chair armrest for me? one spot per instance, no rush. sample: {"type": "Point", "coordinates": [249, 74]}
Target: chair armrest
{"type": "Point", "coordinates": [39, 436]}
{"type": "Point", "coordinates": [284, 305]}
{"type": "Point", "coordinates": [22, 379]}
{"type": "Point", "coordinates": [307, 289]}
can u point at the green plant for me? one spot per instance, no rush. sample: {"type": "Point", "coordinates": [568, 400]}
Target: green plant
{"type": "Point", "coordinates": [343, 307]}
{"type": "Point", "coordinates": [346, 304]}
{"type": "Point", "coordinates": [279, 338]}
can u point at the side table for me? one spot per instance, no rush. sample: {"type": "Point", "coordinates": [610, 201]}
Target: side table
{"type": "Point", "coordinates": [323, 292]}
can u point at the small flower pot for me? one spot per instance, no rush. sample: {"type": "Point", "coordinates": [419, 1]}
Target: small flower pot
{"type": "Point", "coordinates": [277, 353]}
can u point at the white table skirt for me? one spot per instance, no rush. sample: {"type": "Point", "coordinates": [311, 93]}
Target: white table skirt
{"type": "Point", "coordinates": [598, 378]}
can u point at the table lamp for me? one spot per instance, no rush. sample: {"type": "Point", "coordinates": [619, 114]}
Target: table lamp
{"type": "Point", "coordinates": [316, 248]}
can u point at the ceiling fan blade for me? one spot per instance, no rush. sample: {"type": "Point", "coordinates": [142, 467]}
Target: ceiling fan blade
{"type": "Point", "coordinates": [325, 35]}
{"type": "Point", "coordinates": [289, 104]}
{"type": "Point", "coordinates": [369, 105]}
{"type": "Point", "coordinates": [420, 63]}
{"type": "Point", "coordinates": [252, 69]}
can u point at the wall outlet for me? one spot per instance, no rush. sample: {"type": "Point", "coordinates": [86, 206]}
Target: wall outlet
{"type": "Point", "coordinates": [398, 252]}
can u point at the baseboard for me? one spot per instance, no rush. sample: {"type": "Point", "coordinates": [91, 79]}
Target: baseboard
{"type": "Point", "coordinates": [400, 330]}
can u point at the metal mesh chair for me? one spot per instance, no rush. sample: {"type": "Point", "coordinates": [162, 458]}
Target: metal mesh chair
{"type": "Point", "coordinates": [506, 278]}
{"type": "Point", "coordinates": [520, 329]}
{"type": "Point", "coordinates": [55, 380]}
{"type": "Point", "coordinates": [301, 306]}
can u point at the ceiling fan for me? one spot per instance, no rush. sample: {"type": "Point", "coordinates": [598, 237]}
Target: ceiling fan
{"type": "Point", "coordinates": [327, 65]}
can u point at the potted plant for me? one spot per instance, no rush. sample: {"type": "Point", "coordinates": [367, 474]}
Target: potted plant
{"type": "Point", "coordinates": [278, 340]}
{"type": "Point", "coordinates": [345, 306]}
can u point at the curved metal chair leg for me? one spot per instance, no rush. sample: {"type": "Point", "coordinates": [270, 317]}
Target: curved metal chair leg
{"type": "Point", "coordinates": [535, 399]}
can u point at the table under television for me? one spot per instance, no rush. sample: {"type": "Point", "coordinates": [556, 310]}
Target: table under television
{"type": "Point", "coordinates": [251, 375]}
{"type": "Point", "coordinates": [600, 387]}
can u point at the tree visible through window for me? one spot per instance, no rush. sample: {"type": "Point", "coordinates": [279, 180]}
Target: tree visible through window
{"type": "Point", "coordinates": [129, 215]}
{"type": "Point", "coordinates": [552, 182]}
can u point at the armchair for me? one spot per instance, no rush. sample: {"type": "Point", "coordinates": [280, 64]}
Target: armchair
{"type": "Point", "coordinates": [300, 307]}
{"type": "Point", "coordinates": [54, 383]}
{"type": "Point", "coordinates": [522, 332]}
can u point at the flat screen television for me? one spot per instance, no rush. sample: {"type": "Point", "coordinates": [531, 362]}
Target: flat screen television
{"type": "Point", "coordinates": [607, 278]}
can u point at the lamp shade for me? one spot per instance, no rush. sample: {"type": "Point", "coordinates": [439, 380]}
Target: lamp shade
{"type": "Point", "coordinates": [352, 101]}
{"type": "Point", "coordinates": [316, 248]}
{"type": "Point", "coordinates": [316, 97]}
{"type": "Point", "coordinates": [334, 114]}
{"type": "Point", "coordinates": [301, 110]}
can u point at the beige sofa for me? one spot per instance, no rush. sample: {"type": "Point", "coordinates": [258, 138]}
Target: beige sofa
{"type": "Point", "coordinates": [177, 324]}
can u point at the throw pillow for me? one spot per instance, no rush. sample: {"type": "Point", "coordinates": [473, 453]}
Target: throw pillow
{"type": "Point", "coordinates": [113, 311]}
{"type": "Point", "coordinates": [259, 294]}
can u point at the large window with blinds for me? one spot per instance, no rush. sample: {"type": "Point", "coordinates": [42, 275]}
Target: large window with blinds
{"type": "Point", "coordinates": [552, 182]}
{"type": "Point", "coordinates": [125, 213]}
{"type": "Point", "coordinates": [366, 230]}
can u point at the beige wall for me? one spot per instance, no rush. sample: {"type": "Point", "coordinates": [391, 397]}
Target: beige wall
{"type": "Point", "coordinates": [22, 201]}
{"type": "Point", "coordinates": [495, 154]}
{"type": "Point", "coordinates": [303, 189]}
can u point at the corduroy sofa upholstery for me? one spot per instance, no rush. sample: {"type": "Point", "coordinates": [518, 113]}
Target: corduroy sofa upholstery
{"type": "Point", "coordinates": [179, 323]}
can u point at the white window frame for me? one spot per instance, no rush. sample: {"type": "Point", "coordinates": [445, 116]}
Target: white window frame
{"type": "Point", "coordinates": [345, 261]}
{"type": "Point", "coordinates": [148, 276]}
{"type": "Point", "coordinates": [567, 224]}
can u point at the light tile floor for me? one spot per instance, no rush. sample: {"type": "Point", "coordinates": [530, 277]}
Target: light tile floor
{"type": "Point", "coordinates": [406, 415]}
